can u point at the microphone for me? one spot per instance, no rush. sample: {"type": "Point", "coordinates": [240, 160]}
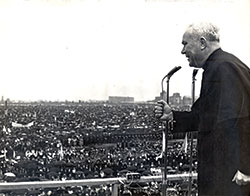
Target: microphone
{"type": "Point", "coordinates": [172, 71]}
{"type": "Point", "coordinates": [175, 69]}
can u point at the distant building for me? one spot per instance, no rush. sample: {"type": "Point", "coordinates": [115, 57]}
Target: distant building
{"type": "Point", "coordinates": [175, 99]}
{"type": "Point", "coordinates": [117, 99]}
{"type": "Point", "coordinates": [186, 100]}
{"type": "Point", "coordinates": [163, 96]}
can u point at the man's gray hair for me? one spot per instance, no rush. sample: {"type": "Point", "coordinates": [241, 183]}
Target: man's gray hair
{"type": "Point", "coordinates": [205, 29]}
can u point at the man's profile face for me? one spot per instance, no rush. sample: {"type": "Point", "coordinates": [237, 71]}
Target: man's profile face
{"type": "Point", "coordinates": [192, 50]}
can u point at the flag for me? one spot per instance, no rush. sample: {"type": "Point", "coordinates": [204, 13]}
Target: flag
{"type": "Point", "coordinates": [185, 143]}
{"type": "Point", "coordinates": [60, 152]}
{"type": "Point", "coordinates": [163, 142]}
{"type": "Point", "coordinates": [15, 124]}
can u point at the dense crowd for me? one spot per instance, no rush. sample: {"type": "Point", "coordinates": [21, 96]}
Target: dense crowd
{"type": "Point", "coordinates": [81, 141]}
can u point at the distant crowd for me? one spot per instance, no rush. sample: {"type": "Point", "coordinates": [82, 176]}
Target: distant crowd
{"type": "Point", "coordinates": [66, 142]}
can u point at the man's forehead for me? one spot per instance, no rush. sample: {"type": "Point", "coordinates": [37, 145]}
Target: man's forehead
{"type": "Point", "coordinates": [187, 36]}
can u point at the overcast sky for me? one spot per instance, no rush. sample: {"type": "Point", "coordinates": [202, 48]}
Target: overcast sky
{"type": "Point", "coordinates": [92, 49]}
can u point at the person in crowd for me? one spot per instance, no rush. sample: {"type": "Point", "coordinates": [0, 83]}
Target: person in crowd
{"type": "Point", "coordinates": [221, 114]}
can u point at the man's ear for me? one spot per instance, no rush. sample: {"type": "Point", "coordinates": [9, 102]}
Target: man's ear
{"type": "Point", "coordinates": [203, 42]}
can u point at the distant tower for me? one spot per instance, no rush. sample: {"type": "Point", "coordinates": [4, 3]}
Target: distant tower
{"type": "Point", "coordinates": [187, 100]}
{"type": "Point", "coordinates": [175, 99]}
{"type": "Point", "coordinates": [6, 109]}
{"type": "Point", "coordinates": [2, 99]}
{"type": "Point", "coordinates": [163, 96]}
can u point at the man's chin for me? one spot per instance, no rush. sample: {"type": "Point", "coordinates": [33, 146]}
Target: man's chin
{"type": "Point", "coordinates": [194, 65]}
{"type": "Point", "coordinates": [191, 65]}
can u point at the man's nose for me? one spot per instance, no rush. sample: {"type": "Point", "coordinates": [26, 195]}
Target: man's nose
{"type": "Point", "coordinates": [183, 51]}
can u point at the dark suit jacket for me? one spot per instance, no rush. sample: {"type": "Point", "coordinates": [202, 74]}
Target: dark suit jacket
{"type": "Point", "coordinates": [222, 117]}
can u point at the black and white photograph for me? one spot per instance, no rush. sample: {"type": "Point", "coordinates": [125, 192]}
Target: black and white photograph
{"type": "Point", "coordinates": [125, 98]}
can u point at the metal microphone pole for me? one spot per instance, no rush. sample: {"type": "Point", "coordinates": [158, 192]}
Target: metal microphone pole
{"type": "Point", "coordinates": [195, 71]}
{"type": "Point", "coordinates": [165, 144]}
{"type": "Point", "coordinates": [165, 132]}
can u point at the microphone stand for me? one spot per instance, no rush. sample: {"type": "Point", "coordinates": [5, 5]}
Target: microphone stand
{"type": "Point", "coordinates": [165, 144]}
{"type": "Point", "coordinates": [192, 137]}
{"type": "Point", "coordinates": [165, 131]}
{"type": "Point", "coordinates": [165, 141]}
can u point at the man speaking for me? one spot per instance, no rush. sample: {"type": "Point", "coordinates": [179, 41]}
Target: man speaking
{"type": "Point", "coordinates": [221, 115]}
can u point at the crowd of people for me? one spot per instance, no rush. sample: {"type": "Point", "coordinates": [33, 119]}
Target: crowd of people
{"type": "Point", "coordinates": [82, 141]}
